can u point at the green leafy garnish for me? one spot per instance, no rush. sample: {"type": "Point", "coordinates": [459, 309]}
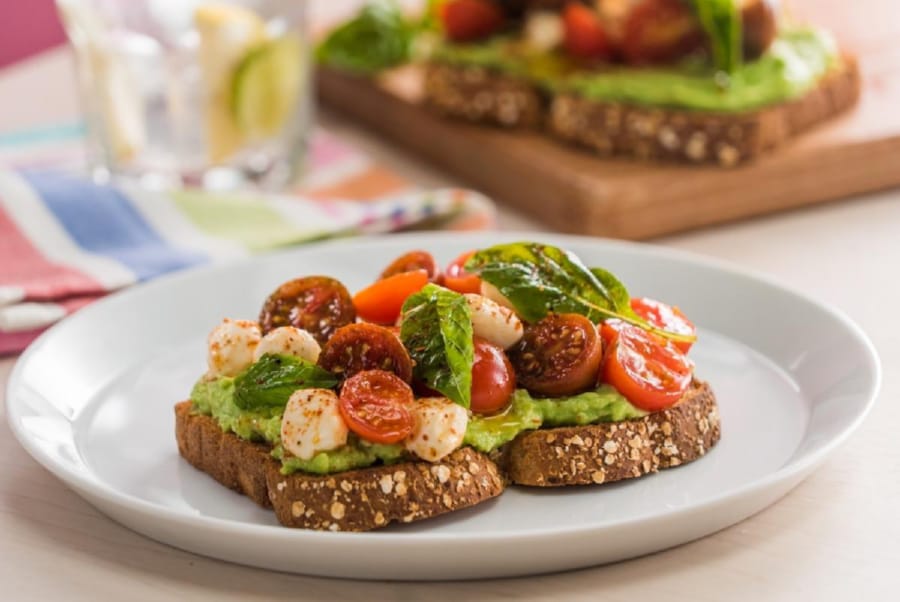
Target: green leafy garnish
{"type": "Point", "coordinates": [270, 381]}
{"type": "Point", "coordinates": [539, 279]}
{"type": "Point", "coordinates": [437, 331]}
{"type": "Point", "coordinates": [378, 38]}
{"type": "Point", "coordinates": [721, 20]}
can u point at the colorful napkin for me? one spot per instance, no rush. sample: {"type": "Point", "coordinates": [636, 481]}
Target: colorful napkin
{"type": "Point", "coordinates": [65, 241]}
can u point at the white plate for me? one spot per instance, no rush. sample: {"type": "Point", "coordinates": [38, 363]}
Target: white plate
{"type": "Point", "coordinates": [92, 401]}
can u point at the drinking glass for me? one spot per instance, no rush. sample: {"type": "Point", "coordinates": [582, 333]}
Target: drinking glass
{"type": "Point", "coordinates": [211, 93]}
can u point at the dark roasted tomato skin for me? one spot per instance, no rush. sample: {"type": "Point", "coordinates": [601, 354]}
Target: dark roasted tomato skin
{"type": "Point", "coordinates": [559, 355]}
{"type": "Point", "coordinates": [759, 23]}
{"type": "Point", "coordinates": [660, 31]}
{"type": "Point", "coordinates": [413, 260]}
{"type": "Point", "coordinates": [358, 347]}
{"type": "Point", "coordinates": [317, 304]}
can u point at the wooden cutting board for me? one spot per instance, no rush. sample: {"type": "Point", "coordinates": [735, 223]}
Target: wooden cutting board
{"type": "Point", "coordinates": [572, 191]}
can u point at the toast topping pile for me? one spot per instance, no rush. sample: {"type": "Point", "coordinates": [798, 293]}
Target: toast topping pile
{"type": "Point", "coordinates": [506, 339]}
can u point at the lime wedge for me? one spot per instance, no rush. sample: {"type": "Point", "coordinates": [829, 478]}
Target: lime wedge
{"type": "Point", "coordinates": [227, 34]}
{"type": "Point", "coordinates": [266, 86]}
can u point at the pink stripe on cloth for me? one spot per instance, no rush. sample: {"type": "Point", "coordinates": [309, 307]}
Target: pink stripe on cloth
{"type": "Point", "coordinates": [25, 267]}
{"type": "Point", "coordinates": [14, 342]}
{"type": "Point", "coordinates": [326, 150]}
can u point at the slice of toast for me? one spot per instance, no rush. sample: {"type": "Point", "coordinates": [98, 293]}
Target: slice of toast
{"type": "Point", "coordinates": [356, 500]}
{"type": "Point", "coordinates": [603, 453]}
{"type": "Point", "coordinates": [651, 133]}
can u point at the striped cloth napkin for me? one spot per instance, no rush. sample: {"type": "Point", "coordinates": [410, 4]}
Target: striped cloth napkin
{"type": "Point", "coordinates": [65, 241]}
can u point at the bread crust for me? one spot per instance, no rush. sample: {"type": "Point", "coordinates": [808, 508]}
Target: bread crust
{"type": "Point", "coordinates": [651, 133]}
{"type": "Point", "coordinates": [356, 500]}
{"type": "Point", "coordinates": [608, 452]}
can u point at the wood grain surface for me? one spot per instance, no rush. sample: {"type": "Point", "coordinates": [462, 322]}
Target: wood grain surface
{"type": "Point", "coordinates": [573, 191]}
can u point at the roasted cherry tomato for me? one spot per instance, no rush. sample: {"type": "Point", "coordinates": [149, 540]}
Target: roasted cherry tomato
{"type": "Point", "coordinates": [467, 20]}
{"type": "Point", "coordinates": [456, 278]}
{"type": "Point", "coordinates": [648, 370]}
{"type": "Point", "coordinates": [560, 355]}
{"type": "Point", "coordinates": [583, 33]}
{"type": "Point", "coordinates": [358, 347]}
{"type": "Point", "coordinates": [493, 379]}
{"type": "Point", "coordinates": [317, 304]}
{"type": "Point", "coordinates": [409, 262]}
{"type": "Point", "coordinates": [659, 31]}
{"type": "Point", "coordinates": [382, 301]}
{"type": "Point", "coordinates": [666, 317]}
{"type": "Point", "coordinates": [759, 25]}
{"type": "Point", "coordinates": [373, 404]}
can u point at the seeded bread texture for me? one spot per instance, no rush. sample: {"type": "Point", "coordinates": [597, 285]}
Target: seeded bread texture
{"type": "Point", "coordinates": [603, 453]}
{"type": "Point", "coordinates": [357, 500]}
{"type": "Point", "coordinates": [649, 133]}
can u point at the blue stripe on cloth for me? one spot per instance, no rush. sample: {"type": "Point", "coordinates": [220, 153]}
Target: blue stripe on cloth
{"type": "Point", "coordinates": [102, 220]}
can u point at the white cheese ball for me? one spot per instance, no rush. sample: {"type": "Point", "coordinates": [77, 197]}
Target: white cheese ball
{"type": "Point", "coordinates": [543, 30]}
{"type": "Point", "coordinates": [439, 427]}
{"type": "Point", "coordinates": [490, 291]}
{"type": "Point", "coordinates": [289, 340]}
{"type": "Point", "coordinates": [231, 346]}
{"type": "Point", "coordinates": [312, 423]}
{"type": "Point", "coordinates": [491, 321]}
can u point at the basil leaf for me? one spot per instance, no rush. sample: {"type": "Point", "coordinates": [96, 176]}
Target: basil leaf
{"type": "Point", "coordinates": [721, 21]}
{"type": "Point", "coordinates": [378, 38]}
{"type": "Point", "coordinates": [539, 279]}
{"type": "Point", "coordinates": [269, 382]}
{"type": "Point", "coordinates": [437, 331]}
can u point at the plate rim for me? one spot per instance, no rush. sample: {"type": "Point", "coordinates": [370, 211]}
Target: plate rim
{"type": "Point", "coordinates": [85, 481]}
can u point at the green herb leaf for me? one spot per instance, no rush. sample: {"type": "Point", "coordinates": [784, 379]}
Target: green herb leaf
{"type": "Point", "coordinates": [721, 20]}
{"type": "Point", "coordinates": [378, 38]}
{"type": "Point", "coordinates": [270, 381]}
{"type": "Point", "coordinates": [539, 279]}
{"type": "Point", "coordinates": [437, 331]}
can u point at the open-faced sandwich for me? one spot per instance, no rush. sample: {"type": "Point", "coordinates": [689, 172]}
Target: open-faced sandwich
{"type": "Point", "coordinates": [702, 81]}
{"type": "Point", "coordinates": [427, 391]}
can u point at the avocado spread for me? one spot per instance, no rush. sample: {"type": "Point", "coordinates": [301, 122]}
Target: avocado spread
{"type": "Point", "coordinates": [797, 59]}
{"type": "Point", "coordinates": [485, 433]}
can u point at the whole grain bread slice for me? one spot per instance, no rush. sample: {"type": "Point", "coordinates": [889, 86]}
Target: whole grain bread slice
{"type": "Point", "coordinates": [603, 453]}
{"type": "Point", "coordinates": [487, 96]}
{"type": "Point", "coordinates": [356, 500]}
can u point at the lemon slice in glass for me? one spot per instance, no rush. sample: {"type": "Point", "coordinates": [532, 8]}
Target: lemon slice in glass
{"type": "Point", "coordinates": [266, 87]}
{"type": "Point", "coordinates": [228, 33]}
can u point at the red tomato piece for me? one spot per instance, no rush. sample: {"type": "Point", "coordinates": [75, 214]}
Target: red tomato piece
{"type": "Point", "coordinates": [374, 406]}
{"type": "Point", "coordinates": [559, 355]}
{"type": "Point", "coordinates": [666, 317]}
{"type": "Point", "coordinates": [493, 379]}
{"type": "Point", "coordinates": [659, 31]}
{"type": "Point", "coordinates": [583, 33]}
{"type": "Point", "coordinates": [382, 301]}
{"type": "Point", "coordinates": [649, 371]}
{"type": "Point", "coordinates": [408, 262]}
{"type": "Point", "coordinates": [468, 20]}
{"type": "Point", "coordinates": [456, 278]}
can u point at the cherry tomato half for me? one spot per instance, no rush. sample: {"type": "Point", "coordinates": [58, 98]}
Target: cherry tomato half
{"type": "Point", "coordinates": [649, 371]}
{"type": "Point", "coordinates": [373, 404]}
{"type": "Point", "coordinates": [666, 317]}
{"type": "Point", "coordinates": [493, 379]}
{"type": "Point", "coordinates": [408, 262]}
{"type": "Point", "coordinates": [456, 278]}
{"type": "Point", "coordinates": [358, 347]}
{"type": "Point", "coordinates": [583, 33]}
{"type": "Point", "coordinates": [468, 20]}
{"type": "Point", "coordinates": [658, 31]}
{"type": "Point", "coordinates": [559, 355]}
{"type": "Point", "coordinates": [382, 301]}
{"type": "Point", "coordinates": [317, 304]}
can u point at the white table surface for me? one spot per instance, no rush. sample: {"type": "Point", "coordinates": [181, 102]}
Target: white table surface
{"type": "Point", "coordinates": [835, 537]}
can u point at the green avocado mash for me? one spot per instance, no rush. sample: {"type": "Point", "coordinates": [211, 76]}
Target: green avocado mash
{"type": "Point", "coordinates": [484, 433]}
{"type": "Point", "coordinates": [796, 61]}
